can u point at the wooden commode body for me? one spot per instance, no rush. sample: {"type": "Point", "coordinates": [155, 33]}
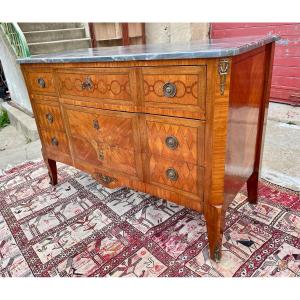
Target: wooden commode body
{"type": "Point", "coordinates": [184, 125]}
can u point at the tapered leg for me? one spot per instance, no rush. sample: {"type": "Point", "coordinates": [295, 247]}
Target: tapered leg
{"type": "Point", "coordinates": [252, 188]}
{"type": "Point", "coordinates": [52, 169]}
{"type": "Point", "coordinates": [213, 216]}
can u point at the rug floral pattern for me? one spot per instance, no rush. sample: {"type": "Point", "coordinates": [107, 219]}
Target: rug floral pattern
{"type": "Point", "coordinates": [80, 228]}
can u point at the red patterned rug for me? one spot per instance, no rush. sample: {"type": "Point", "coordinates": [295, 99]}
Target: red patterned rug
{"type": "Point", "coordinates": [80, 228]}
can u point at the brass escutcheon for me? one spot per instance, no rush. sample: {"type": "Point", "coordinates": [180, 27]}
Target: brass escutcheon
{"type": "Point", "coordinates": [171, 142]}
{"type": "Point", "coordinates": [169, 89]}
{"type": "Point", "coordinates": [172, 174]}
{"type": "Point", "coordinates": [54, 141]}
{"type": "Point", "coordinates": [49, 117]}
{"type": "Point", "coordinates": [41, 82]}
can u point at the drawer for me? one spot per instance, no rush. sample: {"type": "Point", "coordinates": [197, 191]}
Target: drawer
{"type": "Point", "coordinates": [101, 83]}
{"type": "Point", "coordinates": [49, 116]}
{"type": "Point", "coordinates": [178, 175]}
{"type": "Point", "coordinates": [41, 81]}
{"type": "Point", "coordinates": [113, 128]}
{"type": "Point", "coordinates": [109, 157]}
{"type": "Point", "coordinates": [175, 138]}
{"type": "Point", "coordinates": [55, 141]}
{"type": "Point", "coordinates": [106, 139]}
{"type": "Point", "coordinates": [181, 87]}
{"type": "Point", "coordinates": [110, 179]}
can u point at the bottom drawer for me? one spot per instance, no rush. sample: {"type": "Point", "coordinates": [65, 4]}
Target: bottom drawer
{"type": "Point", "coordinates": [177, 175]}
{"type": "Point", "coordinates": [104, 155]}
{"type": "Point", "coordinates": [55, 141]}
{"type": "Point", "coordinates": [108, 178]}
{"type": "Point", "coordinates": [111, 179]}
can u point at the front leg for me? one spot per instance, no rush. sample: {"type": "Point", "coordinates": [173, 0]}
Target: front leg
{"type": "Point", "coordinates": [213, 216]}
{"type": "Point", "coordinates": [252, 188]}
{"type": "Point", "coordinates": [52, 168]}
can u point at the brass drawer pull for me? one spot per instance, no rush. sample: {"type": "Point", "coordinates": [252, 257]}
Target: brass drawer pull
{"type": "Point", "coordinates": [54, 141]}
{"type": "Point", "coordinates": [104, 178]}
{"type": "Point", "coordinates": [171, 142]}
{"type": "Point", "coordinates": [96, 124]}
{"type": "Point", "coordinates": [87, 84]}
{"type": "Point", "coordinates": [169, 90]}
{"type": "Point", "coordinates": [49, 117]}
{"type": "Point", "coordinates": [172, 174]}
{"type": "Point", "coordinates": [41, 82]}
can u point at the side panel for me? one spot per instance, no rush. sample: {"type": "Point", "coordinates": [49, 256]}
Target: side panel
{"type": "Point", "coordinates": [248, 102]}
{"type": "Point", "coordinates": [234, 134]}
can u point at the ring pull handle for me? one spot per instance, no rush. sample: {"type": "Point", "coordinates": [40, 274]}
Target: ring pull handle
{"type": "Point", "coordinates": [171, 142]}
{"type": "Point", "coordinates": [96, 124]}
{"type": "Point", "coordinates": [41, 82]}
{"type": "Point", "coordinates": [172, 174]}
{"type": "Point", "coordinates": [104, 178]}
{"type": "Point", "coordinates": [87, 84]}
{"type": "Point", "coordinates": [169, 89]}
{"type": "Point", "coordinates": [54, 141]}
{"type": "Point", "coordinates": [49, 117]}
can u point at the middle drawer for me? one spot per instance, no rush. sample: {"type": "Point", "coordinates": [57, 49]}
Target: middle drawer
{"type": "Point", "coordinates": [105, 139]}
{"type": "Point", "coordinates": [49, 115]}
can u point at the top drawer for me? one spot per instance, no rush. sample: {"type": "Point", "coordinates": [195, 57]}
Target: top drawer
{"type": "Point", "coordinates": [176, 90]}
{"type": "Point", "coordinates": [41, 81]}
{"type": "Point", "coordinates": [100, 83]}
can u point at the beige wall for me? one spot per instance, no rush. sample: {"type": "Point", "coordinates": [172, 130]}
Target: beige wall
{"type": "Point", "coordinates": [175, 32]}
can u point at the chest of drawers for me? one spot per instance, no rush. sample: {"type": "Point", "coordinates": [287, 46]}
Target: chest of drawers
{"type": "Point", "coordinates": [182, 124]}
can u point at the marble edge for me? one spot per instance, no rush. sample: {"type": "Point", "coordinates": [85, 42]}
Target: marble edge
{"type": "Point", "coordinates": [205, 53]}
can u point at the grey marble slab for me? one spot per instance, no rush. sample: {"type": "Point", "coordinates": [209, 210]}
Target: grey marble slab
{"type": "Point", "coordinates": [224, 47]}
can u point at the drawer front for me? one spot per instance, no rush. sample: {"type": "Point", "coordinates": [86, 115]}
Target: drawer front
{"type": "Point", "coordinates": [171, 86]}
{"type": "Point", "coordinates": [55, 141]}
{"type": "Point", "coordinates": [175, 138]}
{"type": "Point", "coordinates": [178, 175]}
{"type": "Point", "coordinates": [41, 81]}
{"type": "Point", "coordinates": [110, 179]}
{"type": "Point", "coordinates": [113, 128]}
{"type": "Point", "coordinates": [107, 139]}
{"type": "Point", "coordinates": [103, 155]}
{"type": "Point", "coordinates": [101, 83]}
{"type": "Point", "coordinates": [49, 116]}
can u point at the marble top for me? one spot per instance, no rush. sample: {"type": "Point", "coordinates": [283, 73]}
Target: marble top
{"type": "Point", "coordinates": [224, 47]}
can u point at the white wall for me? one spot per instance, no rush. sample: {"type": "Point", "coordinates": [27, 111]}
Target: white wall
{"type": "Point", "coordinates": [175, 32]}
{"type": "Point", "coordinates": [13, 74]}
